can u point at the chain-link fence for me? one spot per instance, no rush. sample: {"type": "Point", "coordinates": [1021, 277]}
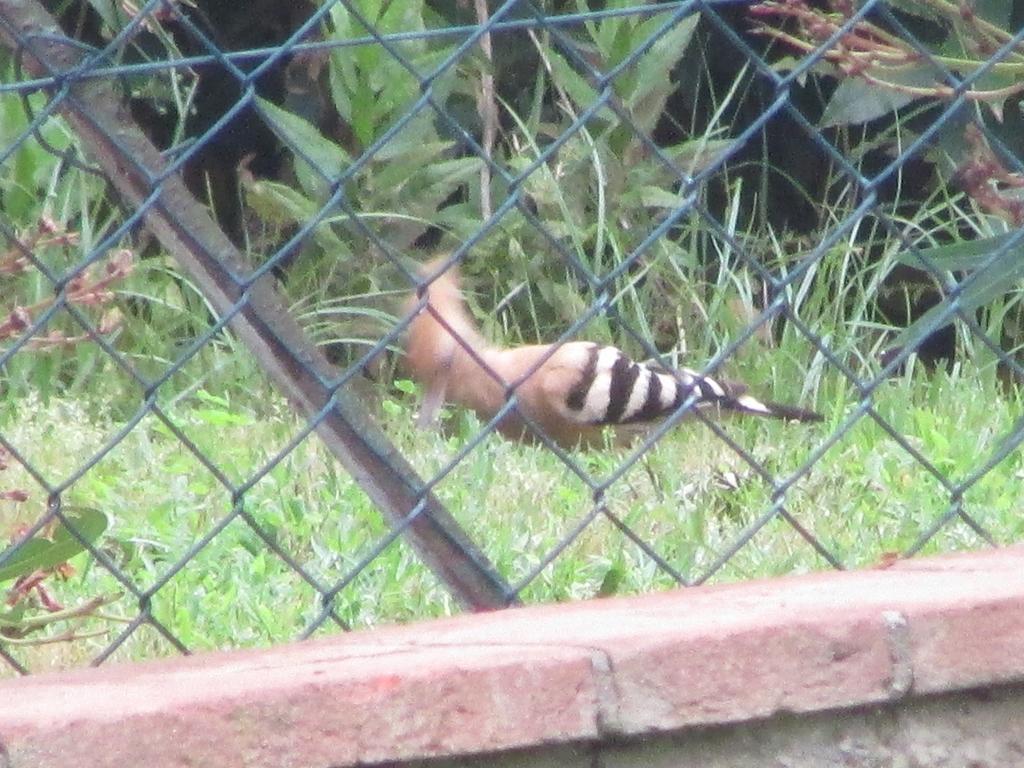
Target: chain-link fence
{"type": "Point", "coordinates": [200, 202]}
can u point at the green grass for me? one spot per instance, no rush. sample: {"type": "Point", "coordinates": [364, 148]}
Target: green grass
{"type": "Point", "coordinates": [864, 498]}
{"type": "Point", "coordinates": [691, 498]}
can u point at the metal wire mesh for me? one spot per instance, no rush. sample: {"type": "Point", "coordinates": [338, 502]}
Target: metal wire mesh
{"type": "Point", "coordinates": [232, 534]}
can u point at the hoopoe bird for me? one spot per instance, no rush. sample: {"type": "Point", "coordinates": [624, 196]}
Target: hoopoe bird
{"type": "Point", "coordinates": [571, 391]}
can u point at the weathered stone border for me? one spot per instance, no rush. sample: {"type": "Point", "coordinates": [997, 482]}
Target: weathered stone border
{"type": "Point", "coordinates": [561, 677]}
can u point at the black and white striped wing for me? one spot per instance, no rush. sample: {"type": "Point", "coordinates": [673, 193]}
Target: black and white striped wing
{"type": "Point", "coordinates": [610, 388]}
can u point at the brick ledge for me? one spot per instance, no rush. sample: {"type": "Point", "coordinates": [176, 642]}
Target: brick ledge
{"type": "Point", "coordinates": [543, 675]}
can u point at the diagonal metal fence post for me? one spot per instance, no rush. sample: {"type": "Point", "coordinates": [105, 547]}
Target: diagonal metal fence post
{"type": "Point", "coordinates": [186, 230]}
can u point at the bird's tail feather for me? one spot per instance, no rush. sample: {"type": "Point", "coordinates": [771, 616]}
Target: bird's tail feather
{"type": "Point", "coordinates": [748, 404]}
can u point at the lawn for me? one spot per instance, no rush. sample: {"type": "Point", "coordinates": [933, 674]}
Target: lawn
{"type": "Point", "coordinates": [204, 560]}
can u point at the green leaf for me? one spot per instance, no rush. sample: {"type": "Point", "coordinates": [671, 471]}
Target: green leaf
{"type": "Point", "coordinates": [449, 174]}
{"type": "Point", "coordinates": [574, 84]}
{"type": "Point", "coordinates": [279, 204]}
{"type": "Point", "coordinates": [612, 581]}
{"type": "Point", "coordinates": [654, 69]}
{"type": "Point", "coordinates": [994, 281]}
{"type": "Point", "coordinates": [967, 255]}
{"type": "Point", "coordinates": [208, 397]}
{"type": "Point", "coordinates": [40, 552]}
{"type": "Point", "coordinates": [404, 385]}
{"type": "Point", "coordinates": [110, 12]}
{"type": "Point", "coordinates": [657, 197]}
{"type": "Point", "coordinates": [697, 155]}
{"type": "Point", "coordinates": [915, 8]}
{"type": "Point", "coordinates": [998, 12]}
{"type": "Point", "coordinates": [604, 33]}
{"type": "Point", "coordinates": [308, 144]}
{"type": "Point", "coordinates": [340, 73]}
{"type": "Point", "coordinates": [856, 101]}
{"type": "Point", "coordinates": [221, 418]}
{"type": "Point", "coordinates": [12, 618]}
{"type": "Point", "coordinates": [994, 81]}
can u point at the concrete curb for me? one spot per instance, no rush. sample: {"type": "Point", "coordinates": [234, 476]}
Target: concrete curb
{"type": "Point", "coordinates": [540, 676]}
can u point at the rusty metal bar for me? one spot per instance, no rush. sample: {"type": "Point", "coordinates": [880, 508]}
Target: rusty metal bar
{"type": "Point", "coordinates": [186, 230]}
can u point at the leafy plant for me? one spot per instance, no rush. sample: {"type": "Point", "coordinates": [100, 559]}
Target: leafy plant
{"type": "Point", "coordinates": [881, 71]}
{"type": "Point", "coordinates": [993, 263]}
{"type": "Point", "coordinates": [882, 68]}
{"type": "Point", "coordinates": [30, 563]}
{"type": "Point", "coordinates": [601, 193]}
{"type": "Point", "coordinates": [372, 90]}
